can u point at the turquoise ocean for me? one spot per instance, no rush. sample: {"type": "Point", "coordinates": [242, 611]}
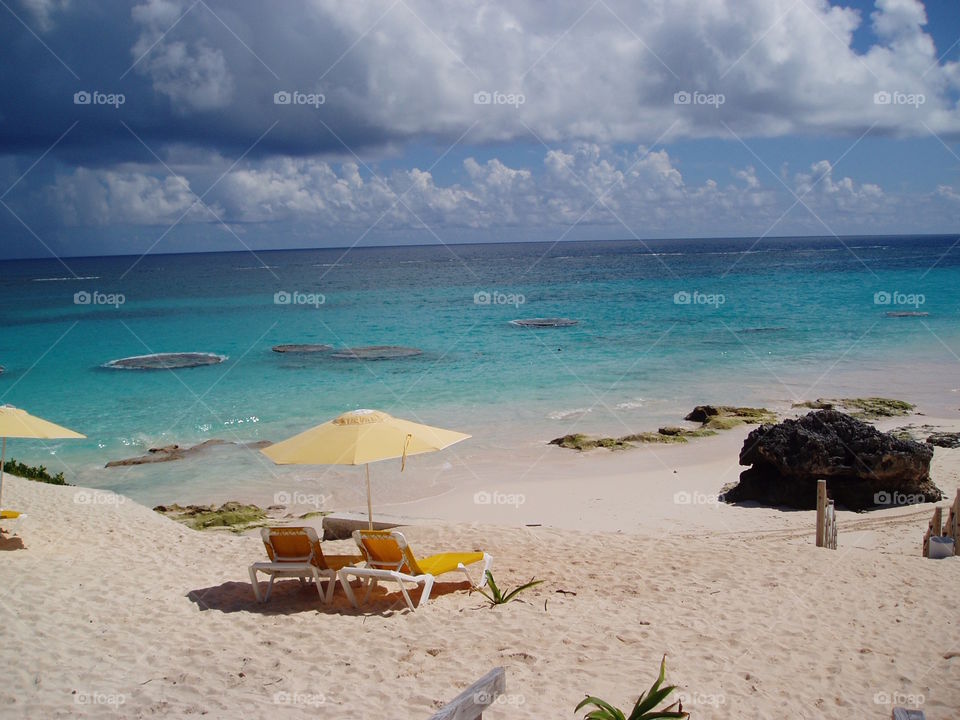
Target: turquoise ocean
{"type": "Point", "coordinates": [661, 326]}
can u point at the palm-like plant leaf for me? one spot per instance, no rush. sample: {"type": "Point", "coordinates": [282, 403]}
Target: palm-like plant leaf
{"type": "Point", "coordinates": [643, 709]}
{"type": "Point", "coordinates": [496, 596]}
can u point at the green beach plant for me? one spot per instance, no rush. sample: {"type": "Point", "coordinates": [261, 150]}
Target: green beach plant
{"type": "Point", "coordinates": [29, 472]}
{"type": "Point", "coordinates": [645, 707]}
{"type": "Point", "coordinates": [498, 597]}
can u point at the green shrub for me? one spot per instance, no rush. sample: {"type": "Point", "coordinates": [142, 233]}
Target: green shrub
{"type": "Point", "coordinates": [39, 473]}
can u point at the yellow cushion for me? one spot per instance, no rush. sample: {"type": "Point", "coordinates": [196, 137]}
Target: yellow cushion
{"type": "Point", "coordinates": [9, 514]}
{"type": "Point", "coordinates": [446, 562]}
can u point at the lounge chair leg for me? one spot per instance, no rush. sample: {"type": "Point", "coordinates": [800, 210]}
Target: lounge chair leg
{"type": "Point", "coordinates": [406, 595]}
{"type": "Point", "coordinates": [347, 590]}
{"type": "Point", "coordinates": [255, 583]}
{"type": "Point", "coordinates": [269, 587]}
{"type": "Point", "coordinates": [425, 593]}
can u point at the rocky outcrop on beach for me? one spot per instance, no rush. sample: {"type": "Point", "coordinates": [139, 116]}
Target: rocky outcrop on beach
{"type": "Point", "coordinates": [301, 348]}
{"type": "Point", "coordinates": [229, 516]}
{"type": "Point", "coordinates": [859, 463]}
{"type": "Point", "coordinates": [711, 418]}
{"type": "Point", "coordinates": [944, 439]}
{"type": "Point", "coordinates": [166, 361]}
{"type": "Point", "coordinates": [376, 352]}
{"type": "Point", "coordinates": [544, 322]}
{"type": "Point", "coordinates": [168, 453]}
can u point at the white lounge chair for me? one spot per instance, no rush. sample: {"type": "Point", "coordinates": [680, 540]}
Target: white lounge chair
{"type": "Point", "coordinates": [389, 558]}
{"type": "Point", "coordinates": [296, 552]}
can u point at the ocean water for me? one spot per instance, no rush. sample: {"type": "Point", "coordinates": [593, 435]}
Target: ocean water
{"type": "Point", "coordinates": [661, 325]}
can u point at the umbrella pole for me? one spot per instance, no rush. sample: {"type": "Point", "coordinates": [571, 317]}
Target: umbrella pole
{"type": "Point", "coordinates": [369, 503]}
{"type": "Point", "coordinates": [3, 461]}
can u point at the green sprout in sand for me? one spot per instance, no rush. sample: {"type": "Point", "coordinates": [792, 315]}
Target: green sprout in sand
{"type": "Point", "coordinates": [645, 707]}
{"type": "Point", "coordinates": [497, 597]}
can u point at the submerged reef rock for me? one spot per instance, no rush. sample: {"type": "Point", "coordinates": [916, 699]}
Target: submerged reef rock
{"type": "Point", "coordinates": [168, 453]}
{"type": "Point", "coordinates": [166, 361]}
{"type": "Point", "coordinates": [294, 348]}
{"type": "Point", "coordinates": [376, 352]}
{"type": "Point", "coordinates": [863, 467]}
{"type": "Point", "coordinates": [544, 322]}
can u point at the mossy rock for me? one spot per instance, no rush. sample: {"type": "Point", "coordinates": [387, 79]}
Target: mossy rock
{"type": "Point", "coordinates": [869, 408]}
{"type": "Point", "coordinates": [231, 515]}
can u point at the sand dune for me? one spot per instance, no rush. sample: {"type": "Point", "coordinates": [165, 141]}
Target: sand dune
{"type": "Point", "coordinates": [111, 608]}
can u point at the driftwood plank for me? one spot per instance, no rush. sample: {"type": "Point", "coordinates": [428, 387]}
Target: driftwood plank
{"type": "Point", "coordinates": [470, 704]}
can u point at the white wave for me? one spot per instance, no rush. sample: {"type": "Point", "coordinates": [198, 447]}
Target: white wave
{"type": "Point", "coordinates": [567, 414]}
{"type": "Point", "coordinates": [630, 404]}
{"type": "Point", "coordinates": [63, 279]}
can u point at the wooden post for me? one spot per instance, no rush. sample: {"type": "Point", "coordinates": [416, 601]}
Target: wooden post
{"type": "Point", "coordinates": [954, 519]}
{"type": "Point", "coordinates": [470, 704]}
{"type": "Point", "coordinates": [821, 510]}
{"type": "Point", "coordinates": [933, 530]}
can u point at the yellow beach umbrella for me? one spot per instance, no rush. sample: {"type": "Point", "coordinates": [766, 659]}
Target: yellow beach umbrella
{"type": "Point", "coordinates": [17, 423]}
{"type": "Point", "coordinates": [360, 437]}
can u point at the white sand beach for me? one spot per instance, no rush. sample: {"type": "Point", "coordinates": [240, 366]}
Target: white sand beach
{"type": "Point", "coordinates": [110, 609]}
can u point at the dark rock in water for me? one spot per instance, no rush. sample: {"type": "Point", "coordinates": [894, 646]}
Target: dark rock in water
{"type": "Point", "coordinates": [945, 439]}
{"type": "Point", "coordinates": [859, 463]}
{"type": "Point", "coordinates": [301, 348]}
{"type": "Point", "coordinates": [906, 313]}
{"type": "Point", "coordinates": [168, 453]}
{"type": "Point", "coordinates": [544, 322]}
{"type": "Point", "coordinates": [702, 413]}
{"type": "Point", "coordinates": [166, 361]}
{"type": "Point", "coordinates": [376, 352]}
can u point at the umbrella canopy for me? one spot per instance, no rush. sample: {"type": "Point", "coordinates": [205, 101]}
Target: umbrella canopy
{"type": "Point", "coordinates": [360, 437]}
{"type": "Point", "coordinates": [18, 423]}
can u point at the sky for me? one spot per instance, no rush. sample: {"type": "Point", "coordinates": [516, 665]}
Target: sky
{"type": "Point", "coordinates": [215, 125]}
